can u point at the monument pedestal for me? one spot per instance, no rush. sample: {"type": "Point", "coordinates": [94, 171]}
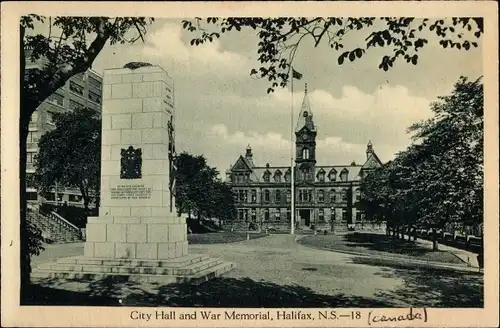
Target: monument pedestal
{"type": "Point", "coordinates": [137, 234]}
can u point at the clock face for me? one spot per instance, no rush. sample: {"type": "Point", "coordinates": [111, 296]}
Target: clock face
{"type": "Point", "coordinates": [305, 136]}
{"type": "Point", "coordinates": [372, 164]}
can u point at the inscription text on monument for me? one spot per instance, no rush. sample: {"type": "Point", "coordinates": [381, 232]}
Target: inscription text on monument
{"type": "Point", "coordinates": [131, 192]}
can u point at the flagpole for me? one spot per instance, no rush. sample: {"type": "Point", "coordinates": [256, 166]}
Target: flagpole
{"type": "Point", "coordinates": [292, 174]}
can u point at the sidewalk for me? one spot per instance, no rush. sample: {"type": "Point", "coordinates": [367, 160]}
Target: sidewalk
{"type": "Point", "coordinates": [466, 256]}
{"type": "Point", "coordinates": [470, 266]}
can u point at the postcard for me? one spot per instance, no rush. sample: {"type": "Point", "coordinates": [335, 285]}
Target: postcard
{"type": "Point", "coordinates": [251, 164]}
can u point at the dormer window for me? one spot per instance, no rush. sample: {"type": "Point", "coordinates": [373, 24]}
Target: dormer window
{"type": "Point", "coordinates": [287, 176]}
{"type": "Point", "coordinates": [344, 175]}
{"type": "Point", "coordinates": [267, 176]}
{"type": "Point", "coordinates": [332, 175]}
{"type": "Point", "coordinates": [277, 176]}
{"type": "Point", "coordinates": [321, 176]}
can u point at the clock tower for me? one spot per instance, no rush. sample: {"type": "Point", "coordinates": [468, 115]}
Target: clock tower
{"type": "Point", "coordinates": [305, 142]}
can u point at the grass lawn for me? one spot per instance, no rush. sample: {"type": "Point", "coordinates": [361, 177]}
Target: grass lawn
{"type": "Point", "coordinates": [377, 244]}
{"type": "Point", "coordinates": [221, 237]}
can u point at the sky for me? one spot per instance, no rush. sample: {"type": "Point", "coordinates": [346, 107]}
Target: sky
{"type": "Point", "coordinates": [220, 109]}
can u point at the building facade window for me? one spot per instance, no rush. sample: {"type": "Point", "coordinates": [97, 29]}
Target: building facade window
{"type": "Point", "coordinates": [321, 176]}
{"type": "Point", "coordinates": [277, 177]}
{"type": "Point", "coordinates": [254, 215]}
{"type": "Point", "coordinates": [30, 180]}
{"type": "Point", "coordinates": [321, 215]}
{"type": "Point", "coordinates": [30, 157]}
{"type": "Point", "coordinates": [74, 105]}
{"type": "Point", "coordinates": [266, 177]}
{"type": "Point", "coordinates": [321, 195]}
{"type": "Point", "coordinates": [50, 118]}
{"type": "Point", "coordinates": [266, 196]}
{"type": "Point", "coordinates": [344, 214]}
{"type": "Point", "coordinates": [266, 214]}
{"type": "Point", "coordinates": [94, 82]}
{"type": "Point", "coordinates": [305, 195]}
{"type": "Point", "coordinates": [288, 215]}
{"type": "Point", "coordinates": [305, 153]}
{"type": "Point", "coordinates": [287, 176]}
{"type": "Point", "coordinates": [332, 175]}
{"type": "Point", "coordinates": [242, 195]}
{"type": "Point", "coordinates": [332, 214]}
{"type": "Point", "coordinates": [333, 196]}
{"type": "Point", "coordinates": [359, 217]}
{"type": "Point", "coordinates": [94, 97]}
{"type": "Point", "coordinates": [32, 137]}
{"type": "Point", "coordinates": [288, 196]}
{"type": "Point", "coordinates": [358, 194]}
{"type": "Point", "coordinates": [76, 88]}
{"type": "Point", "coordinates": [277, 215]}
{"type": "Point", "coordinates": [254, 196]}
{"type": "Point", "coordinates": [278, 196]}
{"type": "Point", "coordinates": [56, 98]}
{"type": "Point", "coordinates": [344, 175]}
{"type": "Point", "coordinates": [344, 195]}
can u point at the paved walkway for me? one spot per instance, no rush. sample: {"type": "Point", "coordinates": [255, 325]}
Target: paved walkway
{"type": "Point", "coordinates": [466, 256]}
{"type": "Point", "coordinates": [279, 266]}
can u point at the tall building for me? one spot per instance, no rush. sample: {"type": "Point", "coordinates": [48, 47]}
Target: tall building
{"type": "Point", "coordinates": [81, 90]}
{"type": "Point", "coordinates": [325, 195]}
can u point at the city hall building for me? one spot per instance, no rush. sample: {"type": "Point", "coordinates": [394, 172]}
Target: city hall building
{"type": "Point", "coordinates": [325, 195]}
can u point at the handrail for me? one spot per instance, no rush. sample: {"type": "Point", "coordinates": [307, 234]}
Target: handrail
{"type": "Point", "coordinates": [59, 217]}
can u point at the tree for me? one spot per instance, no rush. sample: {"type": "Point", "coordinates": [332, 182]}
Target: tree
{"type": "Point", "coordinates": [192, 182]}
{"type": "Point", "coordinates": [222, 204]}
{"type": "Point", "coordinates": [70, 155]}
{"type": "Point", "coordinates": [439, 179]}
{"type": "Point", "coordinates": [199, 189]}
{"type": "Point", "coordinates": [72, 51]}
{"type": "Point", "coordinates": [451, 173]}
{"type": "Point", "coordinates": [280, 38]}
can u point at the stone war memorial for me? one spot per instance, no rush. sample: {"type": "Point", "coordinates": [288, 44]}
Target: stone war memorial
{"type": "Point", "coordinates": [138, 234]}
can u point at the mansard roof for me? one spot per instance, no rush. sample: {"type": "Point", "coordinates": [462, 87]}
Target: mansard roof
{"type": "Point", "coordinates": [353, 170]}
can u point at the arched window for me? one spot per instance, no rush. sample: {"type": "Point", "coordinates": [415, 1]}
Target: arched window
{"type": "Point", "coordinates": [305, 153]}
{"type": "Point", "coordinates": [266, 195]}
{"type": "Point", "coordinates": [278, 196]}
{"type": "Point", "coordinates": [358, 194]}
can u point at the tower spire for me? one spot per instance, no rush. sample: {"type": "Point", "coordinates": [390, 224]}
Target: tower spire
{"type": "Point", "coordinates": [305, 115]}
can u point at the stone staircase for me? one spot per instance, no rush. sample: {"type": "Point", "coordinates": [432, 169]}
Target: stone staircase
{"type": "Point", "coordinates": [194, 269]}
{"type": "Point", "coordinates": [55, 229]}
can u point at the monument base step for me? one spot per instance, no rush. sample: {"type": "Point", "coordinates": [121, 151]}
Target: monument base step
{"type": "Point", "coordinates": [194, 269]}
